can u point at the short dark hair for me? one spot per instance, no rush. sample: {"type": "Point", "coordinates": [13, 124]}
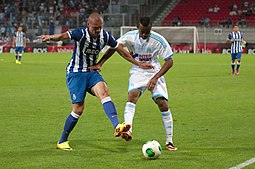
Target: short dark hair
{"type": "Point", "coordinates": [145, 21]}
{"type": "Point", "coordinates": [235, 25]}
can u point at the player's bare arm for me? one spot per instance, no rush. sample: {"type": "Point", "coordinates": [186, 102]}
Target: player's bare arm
{"type": "Point", "coordinates": [166, 66]}
{"type": "Point", "coordinates": [230, 40]}
{"type": "Point", "coordinates": [124, 54]}
{"type": "Point", "coordinates": [55, 37]}
{"type": "Point", "coordinates": [25, 42]}
{"type": "Point", "coordinates": [13, 41]}
{"type": "Point", "coordinates": [104, 58]}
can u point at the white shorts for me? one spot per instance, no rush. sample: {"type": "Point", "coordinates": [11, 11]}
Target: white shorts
{"type": "Point", "coordinates": [139, 81]}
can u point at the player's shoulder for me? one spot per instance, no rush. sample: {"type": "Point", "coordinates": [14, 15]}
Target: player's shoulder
{"type": "Point", "coordinates": [131, 33]}
{"type": "Point", "coordinates": [158, 38]}
{"type": "Point", "coordinates": [105, 32]}
{"type": "Point", "coordinates": [81, 29]}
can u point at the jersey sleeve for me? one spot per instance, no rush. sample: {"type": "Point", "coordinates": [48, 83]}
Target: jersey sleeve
{"type": "Point", "coordinates": [112, 42]}
{"type": "Point", "coordinates": [230, 36]}
{"type": "Point", "coordinates": [125, 41]}
{"type": "Point", "coordinates": [165, 50]}
{"type": "Point", "coordinates": [75, 34]}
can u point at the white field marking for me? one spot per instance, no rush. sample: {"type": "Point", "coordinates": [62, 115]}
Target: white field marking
{"type": "Point", "coordinates": [244, 164]}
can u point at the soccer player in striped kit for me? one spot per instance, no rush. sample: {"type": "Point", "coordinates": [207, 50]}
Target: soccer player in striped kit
{"type": "Point", "coordinates": [80, 79]}
{"type": "Point", "coordinates": [19, 42]}
{"type": "Point", "coordinates": [235, 38]}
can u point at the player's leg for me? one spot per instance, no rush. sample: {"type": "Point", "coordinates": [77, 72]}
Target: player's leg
{"type": "Point", "coordinates": [160, 96]}
{"type": "Point", "coordinates": [233, 58]}
{"type": "Point", "coordinates": [137, 84]}
{"type": "Point", "coordinates": [77, 93]}
{"type": "Point", "coordinates": [101, 92]}
{"type": "Point", "coordinates": [167, 121]}
{"type": "Point", "coordinates": [70, 123]}
{"type": "Point", "coordinates": [129, 111]}
{"type": "Point", "coordinates": [71, 120]}
{"type": "Point", "coordinates": [20, 54]}
{"type": "Point", "coordinates": [16, 55]}
{"type": "Point", "coordinates": [99, 88]}
{"type": "Point", "coordinates": [19, 58]}
{"type": "Point", "coordinates": [239, 55]}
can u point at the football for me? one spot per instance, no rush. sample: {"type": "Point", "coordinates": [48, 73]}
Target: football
{"type": "Point", "coordinates": [151, 149]}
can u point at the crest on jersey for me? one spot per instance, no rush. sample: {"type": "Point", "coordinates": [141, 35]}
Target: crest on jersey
{"type": "Point", "coordinates": [102, 43]}
{"type": "Point", "coordinates": [149, 50]}
{"type": "Point", "coordinates": [74, 97]}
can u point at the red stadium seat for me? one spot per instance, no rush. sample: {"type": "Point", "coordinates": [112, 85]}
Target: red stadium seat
{"type": "Point", "coordinates": [190, 11]}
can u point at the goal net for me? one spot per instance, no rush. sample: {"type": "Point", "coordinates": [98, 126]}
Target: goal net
{"type": "Point", "coordinates": [180, 38]}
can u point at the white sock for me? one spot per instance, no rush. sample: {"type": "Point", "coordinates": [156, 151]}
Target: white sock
{"type": "Point", "coordinates": [129, 113]}
{"type": "Point", "coordinates": [168, 124]}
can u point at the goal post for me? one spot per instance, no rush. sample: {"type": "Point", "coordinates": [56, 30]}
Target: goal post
{"type": "Point", "coordinates": [184, 36]}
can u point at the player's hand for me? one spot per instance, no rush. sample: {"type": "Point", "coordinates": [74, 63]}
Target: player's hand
{"type": "Point", "coordinates": [96, 67]}
{"type": "Point", "coordinates": [145, 65]}
{"type": "Point", "coordinates": [44, 37]}
{"type": "Point", "coordinates": [232, 40]}
{"type": "Point", "coordinates": [152, 83]}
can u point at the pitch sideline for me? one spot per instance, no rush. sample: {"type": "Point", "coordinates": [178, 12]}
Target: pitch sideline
{"type": "Point", "coordinates": [244, 164]}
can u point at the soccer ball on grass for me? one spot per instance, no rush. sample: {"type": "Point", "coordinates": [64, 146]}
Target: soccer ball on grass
{"type": "Point", "coordinates": [151, 149]}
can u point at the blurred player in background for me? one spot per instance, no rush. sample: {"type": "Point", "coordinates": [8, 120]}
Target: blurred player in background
{"type": "Point", "coordinates": [147, 45]}
{"type": "Point", "coordinates": [19, 42]}
{"type": "Point", "coordinates": [236, 39]}
{"type": "Point", "coordinates": [81, 79]}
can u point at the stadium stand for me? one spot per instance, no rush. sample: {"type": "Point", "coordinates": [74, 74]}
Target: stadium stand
{"type": "Point", "coordinates": [212, 13]}
{"type": "Point", "coordinates": [213, 19]}
{"type": "Point", "coordinates": [38, 15]}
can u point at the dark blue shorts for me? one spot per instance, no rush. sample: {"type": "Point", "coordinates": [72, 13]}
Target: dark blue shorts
{"type": "Point", "coordinates": [79, 83]}
{"type": "Point", "coordinates": [19, 49]}
{"type": "Point", "coordinates": [236, 55]}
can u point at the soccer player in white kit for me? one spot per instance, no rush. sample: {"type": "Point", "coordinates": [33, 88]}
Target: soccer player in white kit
{"type": "Point", "coordinates": [147, 45]}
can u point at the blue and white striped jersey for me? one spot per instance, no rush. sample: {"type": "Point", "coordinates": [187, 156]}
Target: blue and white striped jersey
{"type": "Point", "coordinates": [236, 46]}
{"type": "Point", "coordinates": [19, 38]}
{"type": "Point", "coordinates": [87, 48]}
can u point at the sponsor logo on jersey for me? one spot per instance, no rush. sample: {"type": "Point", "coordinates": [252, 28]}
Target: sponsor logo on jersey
{"type": "Point", "coordinates": [145, 57]}
{"type": "Point", "coordinates": [89, 51]}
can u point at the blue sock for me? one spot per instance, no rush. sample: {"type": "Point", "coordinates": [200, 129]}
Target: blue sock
{"type": "Point", "coordinates": [19, 58]}
{"type": "Point", "coordinates": [71, 121]}
{"type": "Point", "coordinates": [110, 111]}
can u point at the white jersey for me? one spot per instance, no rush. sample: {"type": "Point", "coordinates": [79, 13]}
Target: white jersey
{"type": "Point", "coordinates": [19, 39]}
{"type": "Point", "coordinates": [147, 50]}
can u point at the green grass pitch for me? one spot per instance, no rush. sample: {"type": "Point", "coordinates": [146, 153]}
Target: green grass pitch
{"type": "Point", "coordinates": [214, 115]}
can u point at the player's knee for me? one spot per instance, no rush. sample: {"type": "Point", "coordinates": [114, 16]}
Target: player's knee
{"type": "Point", "coordinates": [103, 94]}
{"type": "Point", "coordinates": [133, 97]}
{"type": "Point", "coordinates": [162, 104]}
{"type": "Point", "coordinates": [132, 100]}
{"type": "Point", "coordinates": [78, 109]}
{"type": "Point", "coordinates": [100, 90]}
